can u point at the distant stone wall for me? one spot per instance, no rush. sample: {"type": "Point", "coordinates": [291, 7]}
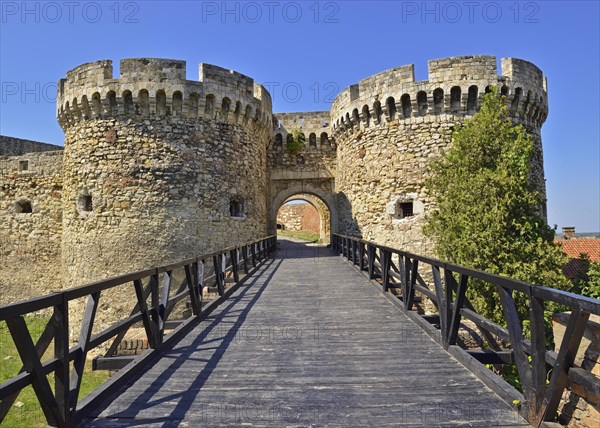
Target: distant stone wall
{"type": "Point", "coordinates": [311, 220]}
{"type": "Point", "coordinates": [11, 146]}
{"type": "Point", "coordinates": [318, 156]}
{"type": "Point", "coordinates": [299, 217]}
{"type": "Point", "coordinates": [31, 189]}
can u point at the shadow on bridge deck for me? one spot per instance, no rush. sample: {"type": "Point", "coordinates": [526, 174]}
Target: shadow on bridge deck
{"type": "Point", "coordinates": [306, 342]}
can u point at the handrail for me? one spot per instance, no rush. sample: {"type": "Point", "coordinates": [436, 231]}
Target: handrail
{"type": "Point", "coordinates": [61, 407]}
{"type": "Point", "coordinates": [394, 269]}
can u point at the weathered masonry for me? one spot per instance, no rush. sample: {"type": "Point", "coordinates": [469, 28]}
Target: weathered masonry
{"type": "Point", "coordinates": [156, 167]}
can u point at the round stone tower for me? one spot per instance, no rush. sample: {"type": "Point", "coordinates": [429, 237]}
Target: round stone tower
{"type": "Point", "coordinates": [158, 168]}
{"type": "Point", "coordinates": [387, 128]}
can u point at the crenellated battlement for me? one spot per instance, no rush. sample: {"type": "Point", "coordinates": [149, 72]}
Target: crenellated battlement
{"type": "Point", "coordinates": [151, 88]}
{"type": "Point", "coordinates": [315, 127]}
{"type": "Point", "coordinates": [455, 87]}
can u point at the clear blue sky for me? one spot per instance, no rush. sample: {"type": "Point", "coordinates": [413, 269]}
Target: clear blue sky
{"type": "Point", "coordinates": [320, 48]}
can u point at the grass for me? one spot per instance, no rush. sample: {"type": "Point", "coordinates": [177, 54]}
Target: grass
{"type": "Point", "coordinates": [305, 235]}
{"type": "Point", "coordinates": [26, 411]}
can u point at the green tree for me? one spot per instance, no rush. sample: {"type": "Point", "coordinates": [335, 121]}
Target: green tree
{"type": "Point", "coordinates": [488, 212]}
{"type": "Point", "coordinates": [296, 144]}
{"type": "Point", "coordinates": [588, 282]}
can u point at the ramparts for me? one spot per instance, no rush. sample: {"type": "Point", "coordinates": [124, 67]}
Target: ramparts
{"type": "Point", "coordinates": [150, 87]}
{"type": "Point", "coordinates": [11, 146]}
{"type": "Point", "coordinates": [455, 86]}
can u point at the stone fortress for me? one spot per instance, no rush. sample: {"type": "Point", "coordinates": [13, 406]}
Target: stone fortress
{"type": "Point", "coordinates": [157, 168]}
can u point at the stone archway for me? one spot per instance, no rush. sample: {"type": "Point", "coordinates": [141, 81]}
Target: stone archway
{"type": "Point", "coordinates": [322, 210]}
{"type": "Point", "coordinates": [314, 195]}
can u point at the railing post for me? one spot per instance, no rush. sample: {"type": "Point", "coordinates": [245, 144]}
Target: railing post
{"type": "Point", "coordinates": [441, 305]}
{"type": "Point", "coordinates": [245, 257]}
{"type": "Point", "coordinates": [361, 255]}
{"type": "Point", "coordinates": [385, 256]}
{"type": "Point", "coordinates": [447, 303]}
{"type": "Point", "coordinates": [191, 277]}
{"type": "Point", "coordinates": [253, 250]}
{"type": "Point", "coordinates": [411, 285]}
{"type": "Point", "coordinates": [371, 261]}
{"type": "Point", "coordinates": [235, 265]}
{"type": "Point", "coordinates": [538, 350]}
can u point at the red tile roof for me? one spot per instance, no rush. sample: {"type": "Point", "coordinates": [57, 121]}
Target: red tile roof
{"type": "Point", "coordinates": [574, 247]}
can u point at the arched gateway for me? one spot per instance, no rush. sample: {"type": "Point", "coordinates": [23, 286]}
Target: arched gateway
{"type": "Point", "coordinates": [304, 172]}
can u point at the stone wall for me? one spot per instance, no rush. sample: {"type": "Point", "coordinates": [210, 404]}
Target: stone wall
{"type": "Point", "coordinates": [388, 127]}
{"type": "Point", "coordinates": [299, 217]}
{"type": "Point", "coordinates": [158, 168]}
{"type": "Point", "coordinates": [162, 161]}
{"type": "Point", "coordinates": [578, 408]}
{"type": "Point", "coordinates": [11, 146]}
{"type": "Point", "coordinates": [317, 159]}
{"type": "Point", "coordinates": [31, 189]}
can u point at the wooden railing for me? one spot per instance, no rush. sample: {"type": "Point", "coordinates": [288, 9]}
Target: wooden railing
{"type": "Point", "coordinates": [218, 273]}
{"type": "Point", "coordinates": [393, 269]}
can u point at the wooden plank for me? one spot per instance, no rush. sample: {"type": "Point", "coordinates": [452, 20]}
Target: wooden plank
{"type": "Point", "coordinates": [492, 357]}
{"type": "Point", "coordinates": [586, 304]}
{"type": "Point", "coordinates": [11, 387]}
{"type": "Point", "coordinates": [585, 384]}
{"type": "Point", "coordinates": [112, 363]}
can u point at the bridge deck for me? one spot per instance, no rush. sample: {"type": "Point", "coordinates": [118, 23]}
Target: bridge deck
{"type": "Point", "coordinates": [307, 342]}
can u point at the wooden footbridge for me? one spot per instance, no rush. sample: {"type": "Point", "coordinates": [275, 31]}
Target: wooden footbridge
{"type": "Point", "coordinates": [288, 334]}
